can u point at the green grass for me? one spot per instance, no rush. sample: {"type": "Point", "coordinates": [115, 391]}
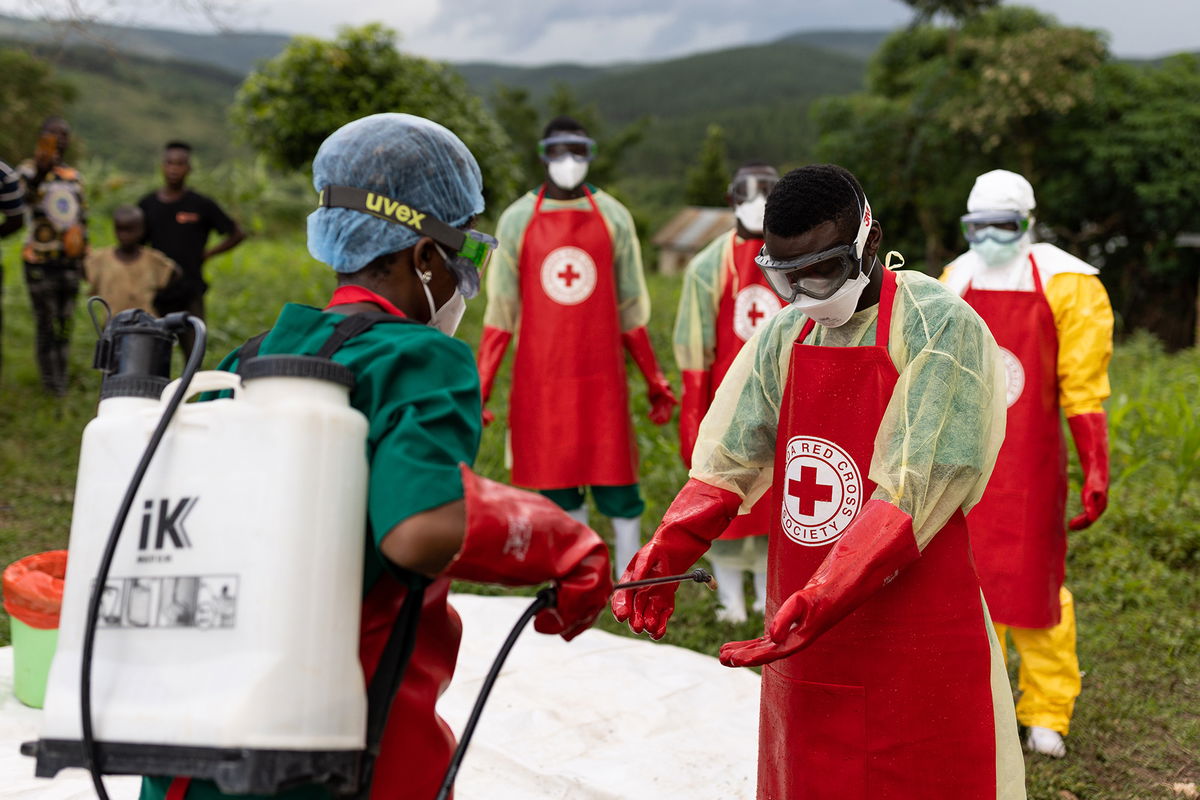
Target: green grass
{"type": "Point", "coordinates": [1137, 724]}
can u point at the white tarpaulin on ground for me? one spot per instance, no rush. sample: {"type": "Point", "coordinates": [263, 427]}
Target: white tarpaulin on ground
{"type": "Point", "coordinates": [600, 718]}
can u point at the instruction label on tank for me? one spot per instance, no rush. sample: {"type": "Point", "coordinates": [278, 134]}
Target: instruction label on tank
{"type": "Point", "coordinates": [187, 601]}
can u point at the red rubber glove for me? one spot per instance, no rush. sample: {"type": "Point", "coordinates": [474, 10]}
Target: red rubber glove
{"type": "Point", "coordinates": [872, 551]}
{"type": "Point", "coordinates": [492, 347]}
{"type": "Point", "coordinates": [518, 538]}
{"type": "Point", "coordinates": [1090, 432]}
{"type": "Point", "coordinates": [699, 514]}
{"type": "Point", "coordinates": [695, 404]}
{"type": "Point", "coordinates": [662, 399]}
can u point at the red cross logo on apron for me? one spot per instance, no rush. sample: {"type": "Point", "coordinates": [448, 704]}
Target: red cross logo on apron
{"type": "Point", "coordinates": [568, 275]}
{"type": "Point", "coordinates": [822, 493]}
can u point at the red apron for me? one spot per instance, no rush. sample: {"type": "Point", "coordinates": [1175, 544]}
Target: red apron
{"type": "Point", "coordinates": [569, 410]}
{"type": "Point", "coordinates": [1017, 529]}
{"type": "Point", "coordinates": [895, 700]}
{"type": "Point", "coordinates": [417, 743]}
{"type": "Point", "coordinates": [746, 303]}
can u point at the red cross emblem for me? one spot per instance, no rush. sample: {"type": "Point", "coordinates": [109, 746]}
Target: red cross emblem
{"type": "Point", "coordinates": [569, 275]}
{"type": "Point", "coordinates": [808, 491]}
{"type": "Point", "coordinates": [755, 315]}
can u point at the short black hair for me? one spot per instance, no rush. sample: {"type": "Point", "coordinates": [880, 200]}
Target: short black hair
{"type": "Point", "coordinates": [754, 165]}
{"type": "Point", "coordinates": [126, 213]}
{"type": "Point", "coordinates": [53, 120]}
{"type": "Point", "coordinates": [176, 144]}
{"type": "Point", "coordinates": [809, 196]}
{"type": "Point", "coordinates": [562, 123]}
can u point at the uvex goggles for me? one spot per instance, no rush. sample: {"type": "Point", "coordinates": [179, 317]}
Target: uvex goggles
{"type": "Point", "coordinates": [1004, 227]}
{"type": "Point", "coordinates": [561, 144]}
{"type": "Point", "coordinates": [471, 248]}
{"type": "Point", "coordinates": [747, 186]}
{"type": "Point", "coordinates": [817, 275]}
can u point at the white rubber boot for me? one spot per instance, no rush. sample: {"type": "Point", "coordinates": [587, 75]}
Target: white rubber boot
{"type": "Point", "coordinates": [760, 592]}
{"type": "Point", "coordinates": [1046, 741]}
{"type": "Point", "coordinates": [579, 514]}
{"type": "Point", "coordinates": [627, 531]}
{"type": "Point", "coordinates": [729, 593]}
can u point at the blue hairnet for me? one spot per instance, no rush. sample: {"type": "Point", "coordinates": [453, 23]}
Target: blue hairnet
{"type": "Point", "coordinates": [405, 157]}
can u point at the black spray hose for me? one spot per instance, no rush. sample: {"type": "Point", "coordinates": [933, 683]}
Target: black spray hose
{"type": "Point", "coordinates": [545, 599]}
{"type": "Point", "coordinates": [110, 549]}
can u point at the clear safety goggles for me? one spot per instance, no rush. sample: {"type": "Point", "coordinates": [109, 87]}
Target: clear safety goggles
{"type": "Point", "coordinates": [566, 144]}
{"type": "Point", "coordinates": [471, 249]}
{"type": "Point", "coordinates": [746, 187]}
{"type": "Point", "coordinates": [816, 275]}
{"type": "Point", "coordinates": [1004, 227]}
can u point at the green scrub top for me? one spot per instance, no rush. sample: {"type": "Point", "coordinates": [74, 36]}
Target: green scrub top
{"type": "Point", "coordinates": [419, 390]}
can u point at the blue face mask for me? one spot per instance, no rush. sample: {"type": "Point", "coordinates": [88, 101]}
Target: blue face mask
{"type": "Point", "coordinates": [995, 253]}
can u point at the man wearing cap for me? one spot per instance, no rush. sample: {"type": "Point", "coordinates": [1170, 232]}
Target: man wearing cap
{"type": "Point", "coordinates": [872, 409]}
{"type": "Point", "coordinates": [568, 276]}
{"type": "Point", "coordinates": [1051, 317]}
{"type": "Point", "coordinates": [430, 519]}
{"type": "Point", "coordinates": [725, 300]}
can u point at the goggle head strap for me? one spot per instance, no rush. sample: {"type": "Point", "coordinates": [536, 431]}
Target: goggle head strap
{"type": "Point", "coordinates": [567, 138]}
{"type": "Point", "coordinates": [392, 210]}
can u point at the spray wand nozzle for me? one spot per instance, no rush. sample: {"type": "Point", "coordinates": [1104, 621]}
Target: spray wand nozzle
{"type": "Point", "coordinates": [698, 575]}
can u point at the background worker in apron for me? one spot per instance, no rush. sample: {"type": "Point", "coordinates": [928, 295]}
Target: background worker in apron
{"type": "Point", "coordinates": [1053, 322]}
{"type": "Point", "coordinates": [568, 276]}
{"type": "Point", "coordinates": [427, 512]}
{"type": "Point", "coordinates": [873, 409]}
{"type": "Point", "coordinates": [725, 300]}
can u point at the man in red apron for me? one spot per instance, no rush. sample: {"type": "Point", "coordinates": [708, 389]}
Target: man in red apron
{"type": "Point", "coordinates": [872, 408]}
{"type": "Point", "coordinates": [725, 300]}
{"type": "Point", "coordinates": [568, 276]}
{"type": "Point", "coordinates": [1053, 322]}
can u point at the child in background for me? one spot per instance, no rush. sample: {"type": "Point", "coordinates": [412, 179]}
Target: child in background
{"type": "Point", "coordinates": [128, 275]}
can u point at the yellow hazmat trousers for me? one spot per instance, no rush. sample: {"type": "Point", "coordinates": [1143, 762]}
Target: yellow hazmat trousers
{"type": "Point", "coordinates": [1048, 674]}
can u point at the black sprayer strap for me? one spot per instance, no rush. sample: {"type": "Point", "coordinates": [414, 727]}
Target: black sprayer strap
{"type": "Point", "coordinates": [352, 326]}
{"type": "Point", "coordinates": [390, 671]}
{"type": "Point", "coordinates": [249, 350]}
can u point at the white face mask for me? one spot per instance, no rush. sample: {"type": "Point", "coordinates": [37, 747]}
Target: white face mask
{"type": "Point", "coordinates": [568, 171]}
{"type": "Point", "coordinates": [999, 254]}
{"type": "Point", "coordinates": [751, 212]}
{"type": "Point", "coordinates": [446, 318]}
{"type": "Point", "coordinates": [835, 310]}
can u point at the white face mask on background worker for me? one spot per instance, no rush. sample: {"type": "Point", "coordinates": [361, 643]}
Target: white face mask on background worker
{"type": "Point", "coordinates": [567, 155]}
{"type": "Point", "coordinates": [998, 224]}
{"type": "Point", "coordinates": [747, 194]}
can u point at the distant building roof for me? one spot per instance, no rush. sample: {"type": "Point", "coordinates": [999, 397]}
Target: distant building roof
{"type": "Point", "coordinates": [693, 228]}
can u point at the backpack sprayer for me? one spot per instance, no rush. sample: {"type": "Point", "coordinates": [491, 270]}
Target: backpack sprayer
{"type": "Point", "coordinates": [226, 653]}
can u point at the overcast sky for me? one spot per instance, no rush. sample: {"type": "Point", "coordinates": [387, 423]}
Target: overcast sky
{"type": "Point", "coordinates": [602, 31]}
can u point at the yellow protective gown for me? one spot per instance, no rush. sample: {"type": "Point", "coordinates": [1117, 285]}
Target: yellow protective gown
{"type": "Point", "coordinates": [1049, 676]}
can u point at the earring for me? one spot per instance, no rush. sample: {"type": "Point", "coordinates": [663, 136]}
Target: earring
{"type": "Point", "coordinates": [425, 277]}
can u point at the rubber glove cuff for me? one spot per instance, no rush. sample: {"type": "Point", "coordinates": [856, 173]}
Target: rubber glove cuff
{"type": "Point", "coordinates": [492, 347]}
{"type": "Point", "coordinates": [1090, 432]}
{"type": "Point", "coordinates": [872, 551]}
{"type": "Point", "coordinates": [519, 538]}
{"type": "Point", "coordinates": [699, 514]}
{"type": "Point", "coordinates": [662, 399]}
{"type": "Point", "coordinates": [696, 388]}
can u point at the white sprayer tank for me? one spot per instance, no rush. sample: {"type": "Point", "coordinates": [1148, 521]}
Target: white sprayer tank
{"type": "Point", "coordinates": [230, 616]}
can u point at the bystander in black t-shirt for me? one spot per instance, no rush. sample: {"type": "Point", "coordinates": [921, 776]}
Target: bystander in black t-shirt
{"type": "Point", "coordinates": [180, 230]}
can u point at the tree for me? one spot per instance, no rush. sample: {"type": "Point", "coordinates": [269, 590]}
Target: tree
{"type": "Point", "coordinates": [708, 179]}
{"type": "Point", "coordinates": [944, 103]}
{"type": "Point", "coordinates": [290, 104]}
{"type": "Point", "coordinates": [29, 93]}
{"type": "Point", "coordinates": [520, 119]}
{"type": "Point", "coordinates": [1122, 182]}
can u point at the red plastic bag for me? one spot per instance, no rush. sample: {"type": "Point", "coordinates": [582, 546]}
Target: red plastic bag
{"type": "Point", "coordinates": [33, 588]}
